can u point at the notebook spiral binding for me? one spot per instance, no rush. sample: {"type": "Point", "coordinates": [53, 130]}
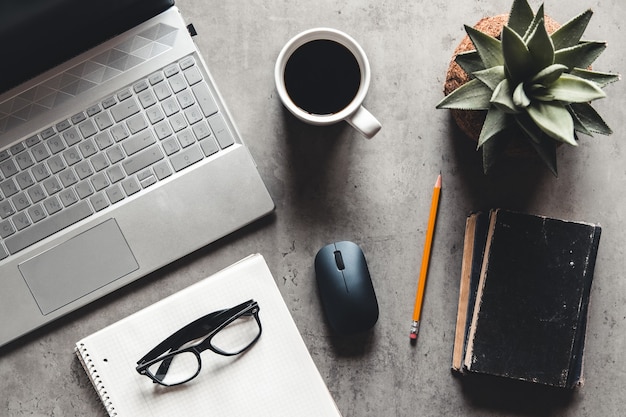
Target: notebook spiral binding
{"type": "Point", "coordinates": [94, 377]}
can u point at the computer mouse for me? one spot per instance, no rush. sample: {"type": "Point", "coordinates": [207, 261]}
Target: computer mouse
{"type": "Point", "coordinates": [345, 288]}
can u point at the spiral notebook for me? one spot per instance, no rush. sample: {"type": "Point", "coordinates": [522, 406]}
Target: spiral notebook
{"type": "Point", "coordinates": [276, 377]}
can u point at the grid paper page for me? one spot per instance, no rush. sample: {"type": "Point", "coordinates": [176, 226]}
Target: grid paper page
{"type": "Point", "coordinates": [276, 377]}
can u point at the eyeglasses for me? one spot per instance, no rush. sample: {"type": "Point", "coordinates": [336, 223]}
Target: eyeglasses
{"type": "Point", "coordinates": [227, 332]}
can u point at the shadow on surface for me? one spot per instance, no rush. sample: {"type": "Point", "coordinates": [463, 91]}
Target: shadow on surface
{"type": "Point", "coordinates": [315, 156]}
{"type": "Point", "coordinates": [513, 397]}
{"type": "Point", "coordinates": [354, 345]}
{"type": "Point", "coordinates": [512, 184]}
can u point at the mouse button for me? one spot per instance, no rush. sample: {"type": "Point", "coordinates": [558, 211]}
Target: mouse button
{"type": "Point", "coordinates": [347, 248]}
{"type": "Point", "coordinates": [339, 260]}
{"type": "Point", "coordinates": [322, 259]}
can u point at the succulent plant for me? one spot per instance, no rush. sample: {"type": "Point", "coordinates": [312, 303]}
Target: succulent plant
{"type": "Point", "coordinates": [532, 85]}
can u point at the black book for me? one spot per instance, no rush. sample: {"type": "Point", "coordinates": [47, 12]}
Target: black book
{"type": "Point", "coordinates": [523, 298]}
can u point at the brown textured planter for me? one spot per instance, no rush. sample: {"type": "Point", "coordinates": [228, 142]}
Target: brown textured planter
{"type": "Point", "coordinates": [471, 121]}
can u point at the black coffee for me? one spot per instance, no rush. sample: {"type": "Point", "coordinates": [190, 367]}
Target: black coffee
{"type": "Point", "coordinates": [322, 77]}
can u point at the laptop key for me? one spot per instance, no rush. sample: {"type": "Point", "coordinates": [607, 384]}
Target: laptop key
{"type": "Point", "coordinates": [32, 141]}
{"type": "Point", "coordinates": [205, 99]}
{"type": "Point", "coordinates": [186, 158]}
{"type": "Point", "coordinates": [222, 134]}
{"type": "Point", "coordinates": [99, 201]}
{"type": "Point", "coordinates": [52, 205]}
{"type": "Point", "coordinates": [21, 221]}
{"type": "Point", "coordinates": [6, 209]}
{"type": "Point", "coordinates": [48, 227]}
{"type": "Point", "coordinates": [139, 142]}
{"type": "Point", "coordinates": [6, 229]}
{"type": "Point", "coordinates": [17, 148]}
{"type": "Point", "coordinates": [115, 194]}
{"type": "Point", "coordinates": [8, 168]}
{"type": "Point", "coordinates": [36, 213]}
{"type": "Point", "coordinates": [125, 109]}
{"type": "Point", "coordinates": [142, 159]}
{"type": "Point", "coordinates": [9, 187]}
{"type": "Point", "coordinates": [193, 75]}
{"type": "Point", "coordinates": [130, 185]}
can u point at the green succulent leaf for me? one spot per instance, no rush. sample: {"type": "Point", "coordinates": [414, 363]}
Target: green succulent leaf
{"type": "Point", "coordinates": [517, 57]}
{"type": "Point", "coordinates": [520, 17]}
{"type": "Point", "coordinates": [554, 120]}
{"type": "Point", "coordinates": [571, 32]}
{"type": "Point", "coordinates": [491, 77]}
{"type": "Point", "coordinates": [549, 74]}
{"type": "Point", "coordinates": [541, 47]}
{"type": "Point", "coordinates": [493, 149]}
{"type": "Point", "coordinates": [602, 79]}
{"type": "Point", "coordinates": [537, 21]}
{"type": "Point", "coordinates": [590, 119]}
{"type": "Point", "coordinates": [571, 89]}
{"type": "Point", "coordinates": [495, 122]}
{"type": "Point", "coordinates": [470, 61]}
{"type": "Point", "coordinates": [578, 124]}
{"type": "Point", "coordinates": [502, 97]}
{"type": "Point", "coordinates": [519, 96]}
{"type": "Point", "coordinates": [540, 92]}
{"type": "Point", "coordinates": [579, 56]}
{"type": "Point", "coordinates": [542, 143]}
{"type": "Point", "coordinates": [473, 95]}
{"type": "Point", "coordinates": [488, 47]}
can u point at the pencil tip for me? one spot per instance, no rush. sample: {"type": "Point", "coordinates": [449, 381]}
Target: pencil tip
{"type": "Point", "coordinates": [438, 183]}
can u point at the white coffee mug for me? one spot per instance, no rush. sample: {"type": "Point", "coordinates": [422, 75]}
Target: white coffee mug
{"type": "Point", "coordinates": [351, 110]}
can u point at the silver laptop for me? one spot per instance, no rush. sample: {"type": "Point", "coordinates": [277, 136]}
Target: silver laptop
{"type": "Point", "coordinates": [117, 153]}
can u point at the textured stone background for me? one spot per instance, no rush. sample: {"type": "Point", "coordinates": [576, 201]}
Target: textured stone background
{"type": "Point", "coordinates": [330, 184]}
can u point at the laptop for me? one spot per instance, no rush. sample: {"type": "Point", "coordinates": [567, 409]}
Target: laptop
{"type": "Point", "coordinates": [117, 153]}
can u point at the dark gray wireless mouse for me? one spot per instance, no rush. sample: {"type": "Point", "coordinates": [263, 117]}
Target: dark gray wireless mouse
{"type": "Point", "coordinates": [345, 288]}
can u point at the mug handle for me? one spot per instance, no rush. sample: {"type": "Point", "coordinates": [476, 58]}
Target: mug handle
{"type": "Point", "coordinates": [363, 121]}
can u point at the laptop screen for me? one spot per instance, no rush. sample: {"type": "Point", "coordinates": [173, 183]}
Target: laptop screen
{"type": "Point", "coordinates": [37, 35]}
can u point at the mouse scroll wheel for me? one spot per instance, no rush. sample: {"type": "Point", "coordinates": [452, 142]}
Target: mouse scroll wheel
{"type": "Point", "coordinates": [339, 261]}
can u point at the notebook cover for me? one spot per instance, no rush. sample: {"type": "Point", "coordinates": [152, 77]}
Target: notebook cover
{"type": "Point", "coordinates": [531, 306]}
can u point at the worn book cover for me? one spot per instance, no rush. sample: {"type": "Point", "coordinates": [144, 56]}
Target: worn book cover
{"type": "Point", "coordinates": [476, 226]}
{"type": "Point", "coordinates": [528, 320]}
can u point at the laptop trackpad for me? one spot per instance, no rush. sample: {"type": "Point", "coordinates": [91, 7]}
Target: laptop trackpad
{"type": "Point", "coordinates": [79, 266]}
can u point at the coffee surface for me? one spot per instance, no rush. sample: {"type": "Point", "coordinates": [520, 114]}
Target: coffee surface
{"type": "Point", "coordinates": [322, 77]}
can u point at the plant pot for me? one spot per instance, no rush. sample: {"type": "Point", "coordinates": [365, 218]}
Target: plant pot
{"type": "Point", "coordinates": [471, 121]}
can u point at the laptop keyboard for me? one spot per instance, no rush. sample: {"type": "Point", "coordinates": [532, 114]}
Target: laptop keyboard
{"type": "Point", "coordinates": [110, 151]}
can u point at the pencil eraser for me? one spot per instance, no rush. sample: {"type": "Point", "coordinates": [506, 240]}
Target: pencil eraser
{"type": "Point", "coordinates": [413, 336]}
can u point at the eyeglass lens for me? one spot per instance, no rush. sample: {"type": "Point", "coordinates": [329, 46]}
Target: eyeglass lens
{"type": "Point", "coordinates": [237, 336]}
{"type": "Point", "coordinates": [182, 367]}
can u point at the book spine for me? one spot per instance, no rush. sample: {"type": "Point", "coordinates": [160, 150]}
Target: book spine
{"type": "Point", "coordinates": [94, 377]}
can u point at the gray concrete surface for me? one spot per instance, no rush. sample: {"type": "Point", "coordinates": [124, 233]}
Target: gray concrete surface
{"type": "Point", "coordinates": [330, 184]}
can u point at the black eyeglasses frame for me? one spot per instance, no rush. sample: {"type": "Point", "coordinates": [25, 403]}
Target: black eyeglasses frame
{"type": "Point", "coordinates": [205, 327]}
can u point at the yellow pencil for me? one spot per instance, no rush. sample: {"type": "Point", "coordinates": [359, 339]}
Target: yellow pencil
{"type": "Point", "coordinates": [421, 285]}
